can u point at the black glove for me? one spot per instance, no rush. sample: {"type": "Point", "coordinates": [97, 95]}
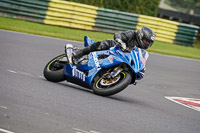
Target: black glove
{"type": "Point", "coordinates": [121, 44]}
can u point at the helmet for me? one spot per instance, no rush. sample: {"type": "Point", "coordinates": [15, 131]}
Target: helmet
{"type": "Point", "coordinates": [145, 37]}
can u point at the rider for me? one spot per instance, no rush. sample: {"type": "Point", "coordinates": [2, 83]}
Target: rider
{"type": "Point", "coordinates": [127, 40]}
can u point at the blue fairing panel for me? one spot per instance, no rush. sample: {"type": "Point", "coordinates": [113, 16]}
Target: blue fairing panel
{"type": "Point", "coordinates": [84, 74]}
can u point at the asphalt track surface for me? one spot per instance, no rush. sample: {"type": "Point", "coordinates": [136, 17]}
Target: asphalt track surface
{"type": "Point", "coordinates": [30, 104]}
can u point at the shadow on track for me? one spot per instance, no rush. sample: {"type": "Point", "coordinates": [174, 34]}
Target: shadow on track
{"type": "Point", "coordinates": [116, 97]}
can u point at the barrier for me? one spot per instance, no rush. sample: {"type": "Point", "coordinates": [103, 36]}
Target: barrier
{"type": "Point", "coordinates": [81, 16]}
{"type": "Point", "coordinates": [26, 10]}
{"type": "Point", "coordinates": [186, 34]}
{"type": "Point", "coordinates": [165, 30]}
{"type": "Point", "coordinates": [70, 14]}
{"type": "Point", "coordinates": [115, 21]}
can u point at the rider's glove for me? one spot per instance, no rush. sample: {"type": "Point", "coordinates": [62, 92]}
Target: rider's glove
{"type": "Point", "coordinates": [121, 43]}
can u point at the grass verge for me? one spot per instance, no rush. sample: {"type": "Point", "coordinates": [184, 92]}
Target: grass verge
{"type": "Point", "coordinates": [74, 34]}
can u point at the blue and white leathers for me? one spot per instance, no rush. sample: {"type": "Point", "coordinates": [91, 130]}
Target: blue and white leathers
{"type": "Point", "coordinates": [85, 73]}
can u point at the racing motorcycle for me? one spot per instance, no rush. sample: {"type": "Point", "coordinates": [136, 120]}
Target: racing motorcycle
{"type": "Point", "coordinates": [106, 72]}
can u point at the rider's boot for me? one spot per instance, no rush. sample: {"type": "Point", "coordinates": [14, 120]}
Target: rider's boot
{"type": "Point", "coordinates": [81, 52]}
{"type": "Point", "coordinates": [69, 52]}
{"type": "Point", "coordinates": [73, 54]}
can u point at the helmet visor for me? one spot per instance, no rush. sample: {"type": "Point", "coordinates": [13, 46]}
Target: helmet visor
{"type": "Point", "coordinates": [146, 42]}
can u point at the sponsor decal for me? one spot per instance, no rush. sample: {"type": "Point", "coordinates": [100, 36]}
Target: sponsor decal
{"type": "Point", "coordinates": [187, 102]}
{"type": "Point", "coordinates": [110, 59]}
{"type": "Point", "coordinates": [96, 61]}
{"type": "Point", "coordinates": [78, 74]}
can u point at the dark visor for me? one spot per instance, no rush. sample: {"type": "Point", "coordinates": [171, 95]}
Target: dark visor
{"type": "Point", "coordinates": [146, 41]}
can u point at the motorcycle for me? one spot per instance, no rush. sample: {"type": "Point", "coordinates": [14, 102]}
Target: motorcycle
{"type": "Point", "coordinates": [106, 72]}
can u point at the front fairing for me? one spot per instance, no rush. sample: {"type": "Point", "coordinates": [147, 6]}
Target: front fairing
{"type": "Point", "coordinates": [140, 57]}
{"type": "Point", "coordinates": [136, 59]}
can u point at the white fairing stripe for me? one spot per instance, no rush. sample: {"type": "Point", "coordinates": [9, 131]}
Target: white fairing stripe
{"type": "Point", "coordinates": [137, 59]}
{"type": "Point", "coordinates": [144, 55]}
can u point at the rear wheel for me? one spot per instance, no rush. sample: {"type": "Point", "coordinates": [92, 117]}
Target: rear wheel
{"type": "Point", "coordinates": [106, 87]}
{"type": "Point", "coordinates": [54, 71]}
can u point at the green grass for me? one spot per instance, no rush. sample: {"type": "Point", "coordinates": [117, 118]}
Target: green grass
{"type": "Point", "coordinates": [175, 50]}
{"type": "Point", "coordinates": [197, 43]}
{"type": "Point", "coordinates": [49, 30]}
{"type": "Point", "coordinates": [74, 34]}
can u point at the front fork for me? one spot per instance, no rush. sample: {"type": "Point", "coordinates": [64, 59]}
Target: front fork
{"type": "Point", "coordinates": [113, 73]}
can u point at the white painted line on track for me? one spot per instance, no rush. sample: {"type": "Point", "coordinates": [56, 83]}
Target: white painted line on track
{"type": "Point", "coordinates": [83, 131]}
{"type": "Point", "coordinates": [191, 103]}
{"type": "Point", "coordinates": [3, 107]}
{"type": "Point", "coordinates": [11, 71]}
{"type": "Point", "coordinates": [24, 74]}
{"type": "Point", "coordinates": [21, 73]}
{"type": "Point", "coordinates": [41, 77]}
{"type": "Point", "coordinates": [5, 131]}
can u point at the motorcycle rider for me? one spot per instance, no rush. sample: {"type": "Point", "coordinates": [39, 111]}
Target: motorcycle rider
{"type": "Point", "coordinates": [143, 38]}
{"type": "Point", "coordinates": [127, 40]}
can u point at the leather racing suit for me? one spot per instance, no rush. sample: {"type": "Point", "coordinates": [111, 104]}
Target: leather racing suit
{"type": "Point", "coordinates": [128, 37]}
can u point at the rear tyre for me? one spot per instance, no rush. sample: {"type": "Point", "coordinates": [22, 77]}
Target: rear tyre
{"type": "Point", "coordinates": [104, 87]}
{"type": "Point", "coordinates": [54, 71]}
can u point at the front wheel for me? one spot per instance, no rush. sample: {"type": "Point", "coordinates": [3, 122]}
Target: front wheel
{"type": "Point", "coordinates": [106, 87]}
{"type": "Point", "coordinates": [54, 71]}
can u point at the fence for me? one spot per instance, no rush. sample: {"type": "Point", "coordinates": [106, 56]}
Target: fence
{"type": "Point", "coordinates": [81, 16]}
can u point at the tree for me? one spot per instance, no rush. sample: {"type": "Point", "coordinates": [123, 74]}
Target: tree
{"type": "Point", "coordinates": [146, 7]}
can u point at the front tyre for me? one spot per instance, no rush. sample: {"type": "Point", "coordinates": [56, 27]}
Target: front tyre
{"type": "Point", "coordinates": [105, 87]}
{"type": "Point", "coordinates": [54, 71]}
